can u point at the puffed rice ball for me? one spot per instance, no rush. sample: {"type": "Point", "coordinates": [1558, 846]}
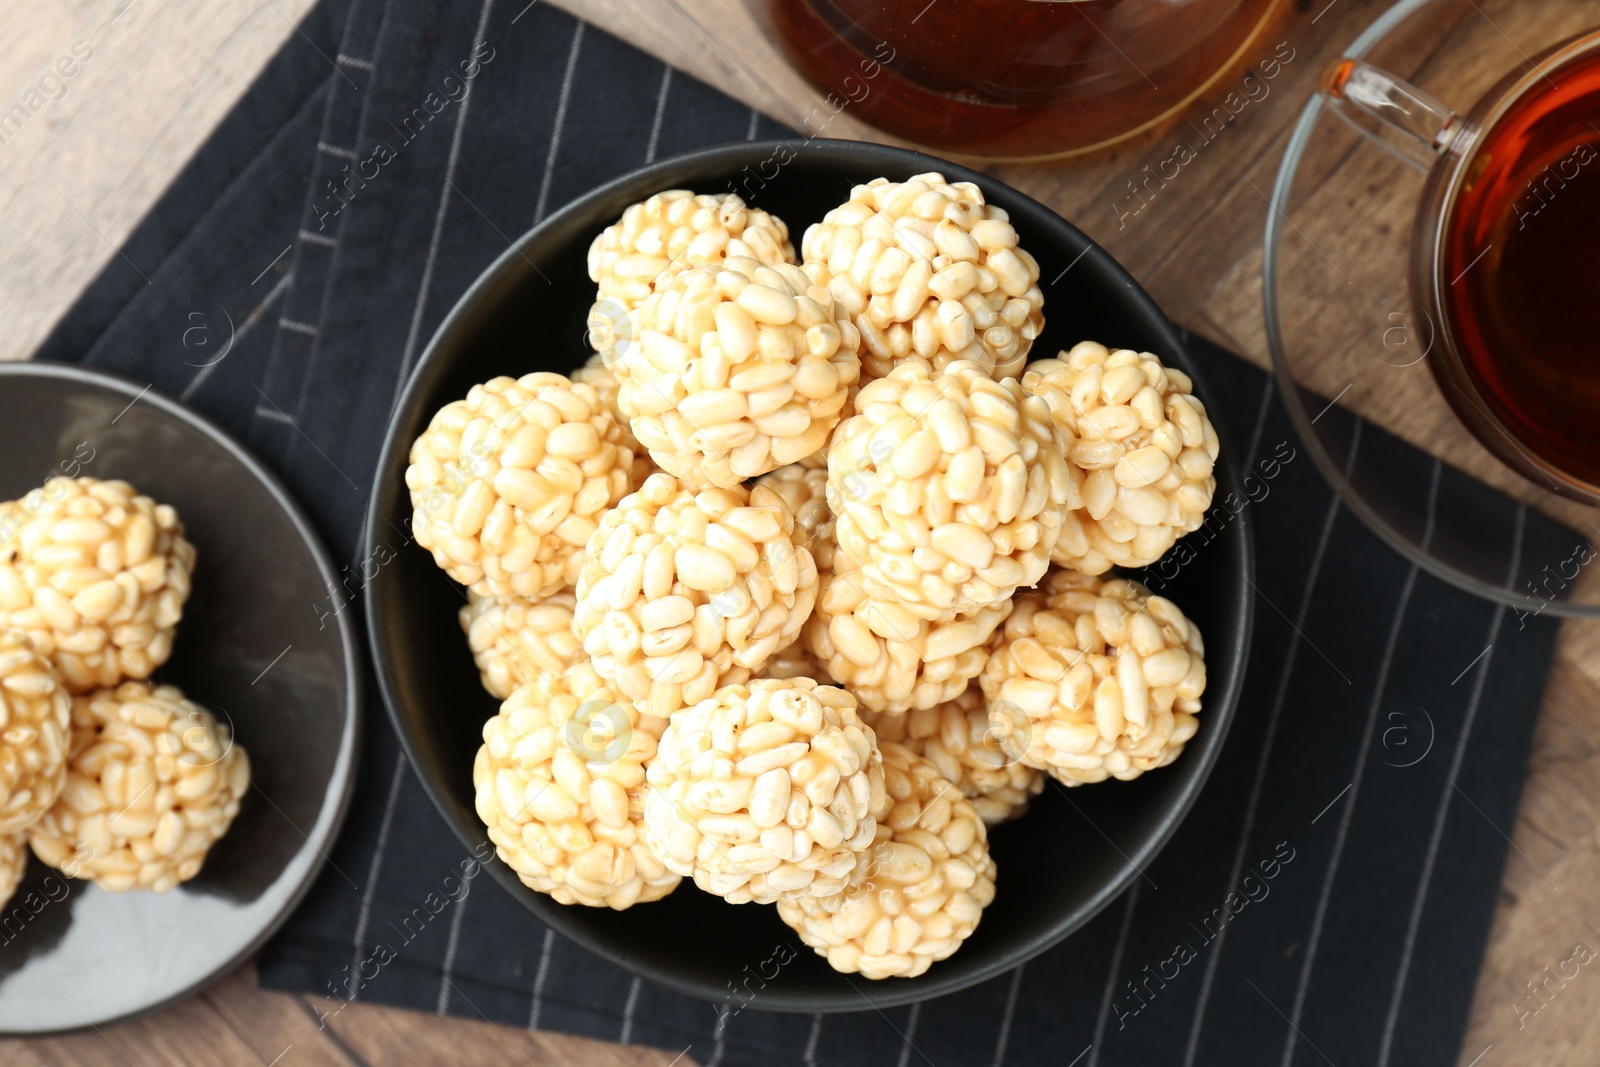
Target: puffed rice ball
{"type": "Point", "coordinates": [1143, 445]}
{"type": "Point", "coordinates": [153, 781]}
{"type": "Point", "coordinates": [737, 371]}
{"type": "Point", "coordinates": [96, 575]}
{"type": "Point", "coordinates": [889, 659]}
{"type": "Point", "coordinates": [765, 791]}
{"type": "Point", "coordinates": [948, 488]}
{"type": "Point", "coordinates": [1094, 678]}
{"type": "Point", "coordinates": [515, 640]}
{"type": "Point", "coordinates": [926, 269]}
{"type": "Point", "coordinates": [508, 484]}
{"type": "Point", "coordinates": [923, 890]}
{"type": "Point", "coordinates": [35, 720]}
{"type": "Point", "coordinates": [560, 785]}
{"type": "Point", "coordinates": [680, 230]}
{"type": "Point", "coordinates": [958, 738]}
{"type": "Point", "coordinates": [682, 592]}
{"type": "Point", "coordinates": [13, 864]}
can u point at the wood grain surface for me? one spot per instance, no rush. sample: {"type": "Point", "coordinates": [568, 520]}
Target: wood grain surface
{"type": "Point", "coordinates": [86, 167]}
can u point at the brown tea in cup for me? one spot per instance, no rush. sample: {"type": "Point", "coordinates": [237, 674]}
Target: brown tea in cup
{"type": "Point", "coordinates": [1506, 255]}
{"type": "Point", "coordinates": [1521, 268]}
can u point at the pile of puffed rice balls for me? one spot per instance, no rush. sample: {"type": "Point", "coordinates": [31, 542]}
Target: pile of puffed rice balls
{"type": "Point", "coordinates": [800, 583]}
{"type": "Point", "coordinates": [108, 776]}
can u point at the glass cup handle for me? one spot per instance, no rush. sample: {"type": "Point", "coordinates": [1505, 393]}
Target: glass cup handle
{"type": "Point", "coordinates": [1393, 113]}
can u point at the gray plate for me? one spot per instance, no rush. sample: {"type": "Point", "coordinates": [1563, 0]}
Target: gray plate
{"type": "Point", "coordinates": [251, 648]}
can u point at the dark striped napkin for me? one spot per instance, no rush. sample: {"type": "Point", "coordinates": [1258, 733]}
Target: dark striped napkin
{"type": "Point", "coordinates": [1327, 900]}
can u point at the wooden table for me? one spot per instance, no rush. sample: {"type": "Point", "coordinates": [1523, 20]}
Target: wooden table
{"type": "Point", "coordinates": [80, 175]}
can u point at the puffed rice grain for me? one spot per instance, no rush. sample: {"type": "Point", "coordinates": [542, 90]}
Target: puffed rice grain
{"type": "Point", "coordinates": [796, 661]}
{"type": "Point", "coordinates": [804, 490]}
{"type": "Point", "coordinates": [597, 372]}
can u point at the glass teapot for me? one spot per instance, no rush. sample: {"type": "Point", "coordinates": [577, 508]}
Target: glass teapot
{"type": "Point", "coordinates": [1018, 79]}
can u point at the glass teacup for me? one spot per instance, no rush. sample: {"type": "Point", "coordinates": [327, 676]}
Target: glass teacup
{"type": "Point", "coordinates": [1506, 251]}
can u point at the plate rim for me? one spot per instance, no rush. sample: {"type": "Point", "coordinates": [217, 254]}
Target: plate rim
{"type": "Point", "coordinates": [346, 767]}
{"type": "Point", "coordinates": [659, 172]}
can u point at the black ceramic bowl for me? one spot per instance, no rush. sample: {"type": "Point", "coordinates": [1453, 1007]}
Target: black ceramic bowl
{"type": "Point", "coordinates": [251, 647]}
{"type": "Point", "coordinates": [1058, 866]}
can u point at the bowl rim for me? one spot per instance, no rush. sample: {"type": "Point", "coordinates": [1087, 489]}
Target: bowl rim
{"type": "Point", "coordinates": [345, 769]}
{"type": "Point", "coordinates": [640, 183]}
